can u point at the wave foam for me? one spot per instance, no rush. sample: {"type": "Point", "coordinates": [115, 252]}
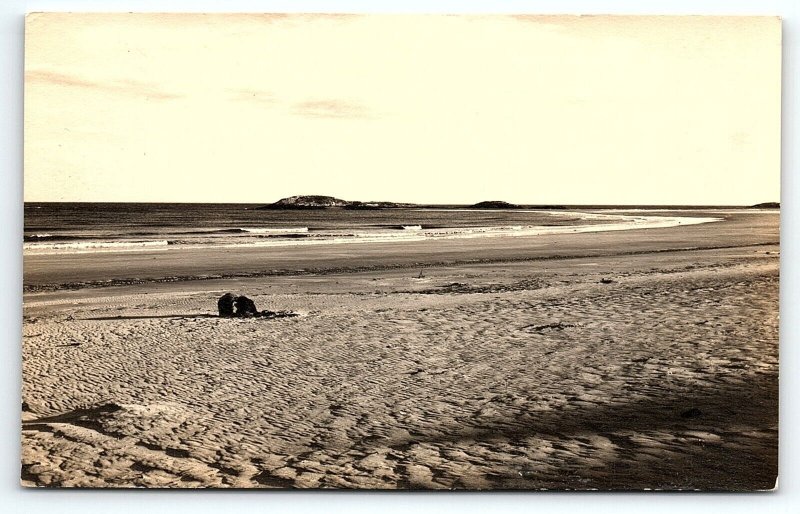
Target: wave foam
{"type": "Point", "coordinates": [297, 236]}
{"type": "Point", "coordinates": [288, 230]}
{"type": "Point", "coordinates": [92, 245]}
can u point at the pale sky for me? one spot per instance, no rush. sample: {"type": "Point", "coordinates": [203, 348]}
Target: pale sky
{"type": "Point", "coordinates": [426, 109]}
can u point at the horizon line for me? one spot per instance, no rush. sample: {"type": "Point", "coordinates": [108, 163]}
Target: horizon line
{"type": "Point", "coordinates": [412, 203]}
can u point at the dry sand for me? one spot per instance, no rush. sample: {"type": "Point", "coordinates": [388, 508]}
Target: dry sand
{"type": "Point", "coordinates": [506, 368]}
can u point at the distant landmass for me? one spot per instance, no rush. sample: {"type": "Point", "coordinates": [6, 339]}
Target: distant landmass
{"type": "Point", "coordinates": [377, 205]}
{"type": "Point", "coordinates": [494, 204]}
{"type": "Point", "coordinates": [326, 202]}
{"type": "Point", "coordinates": [331, 202]}
{"type": "Point", "coordinates": [307, 202]}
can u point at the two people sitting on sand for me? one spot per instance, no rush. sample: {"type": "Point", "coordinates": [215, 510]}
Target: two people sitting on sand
{"type": "Point", "coordinates": [232, 306]}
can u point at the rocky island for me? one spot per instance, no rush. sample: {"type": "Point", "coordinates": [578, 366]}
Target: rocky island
{"type": "Point", "coordinates": [325, 202]}
{"type": "Point", "coordinates": [306, 202]}
{"type": "Point", "coordinates": [494, 204]}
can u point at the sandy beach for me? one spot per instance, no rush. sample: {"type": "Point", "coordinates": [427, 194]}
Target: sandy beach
{"type": "Point", "coordinates": [609, 360]}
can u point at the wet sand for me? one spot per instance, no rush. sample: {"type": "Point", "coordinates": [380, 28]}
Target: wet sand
{"type": "Point", "coordinates": [625, 360]}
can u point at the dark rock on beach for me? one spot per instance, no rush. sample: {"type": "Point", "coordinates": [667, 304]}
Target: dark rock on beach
{"type": "Point", "coordinates": [766, 205]}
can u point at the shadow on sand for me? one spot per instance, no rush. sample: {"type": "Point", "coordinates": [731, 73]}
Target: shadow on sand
{"type": "Point", "coordinates": [155, 316]}
{"type": "Point", "coordinates": [743, 455]}
{"type": "Point", "coordinates": [266, 315]}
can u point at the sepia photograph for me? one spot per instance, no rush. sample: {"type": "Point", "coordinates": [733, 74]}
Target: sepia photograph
{"type": "Point", "coordinates": [401, 252]}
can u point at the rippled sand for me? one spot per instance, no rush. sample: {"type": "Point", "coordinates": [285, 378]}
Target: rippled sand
{"type": "Point", "coordinates": [647, 370]}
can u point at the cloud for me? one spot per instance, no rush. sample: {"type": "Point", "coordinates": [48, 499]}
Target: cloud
{"type": "Point", "coordinates": [331, 108]}
{"type": "Point", "coordinates": [122, 86]}
{"type": "Point", "coordinates": [325, 108]}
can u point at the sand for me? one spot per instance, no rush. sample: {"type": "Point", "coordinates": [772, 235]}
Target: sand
{"type": "Point", "coordinates": [628, 360]}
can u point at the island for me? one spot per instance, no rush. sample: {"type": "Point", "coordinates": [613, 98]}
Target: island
{"type": "Point", "coordinates": [306, 202]}
{"type": "Point", "coordinates": [494, 204]}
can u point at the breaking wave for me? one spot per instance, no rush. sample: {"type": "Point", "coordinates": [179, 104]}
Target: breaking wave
{"type": "Point", "coordinates": [93, 245]}
{"type": "Point", "coordinates": [47, 243]}
{"type": "Point", "coordinates": [289, 230]}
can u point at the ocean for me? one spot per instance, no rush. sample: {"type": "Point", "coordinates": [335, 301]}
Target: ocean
{"type": "Point", "coordinates": [93, 227]}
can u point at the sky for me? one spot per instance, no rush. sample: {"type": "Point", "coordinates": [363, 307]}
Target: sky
{"type": "Point", "coordinates": [427, 109]}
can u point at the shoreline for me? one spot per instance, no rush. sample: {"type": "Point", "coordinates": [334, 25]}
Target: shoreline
{"type": "Point", "coordinates": [592, 222]}
{"type": "Point", "coordinates": [49, 272]}
{"type": "Point", "coordinates": [27, 289]}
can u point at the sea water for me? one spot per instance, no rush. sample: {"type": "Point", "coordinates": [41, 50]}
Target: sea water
{"type": "Point", "coordinates": [92, 227]}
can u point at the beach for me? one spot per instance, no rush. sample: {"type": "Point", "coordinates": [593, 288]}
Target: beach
{"type": "Point", "coordinates": [644, 358]}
